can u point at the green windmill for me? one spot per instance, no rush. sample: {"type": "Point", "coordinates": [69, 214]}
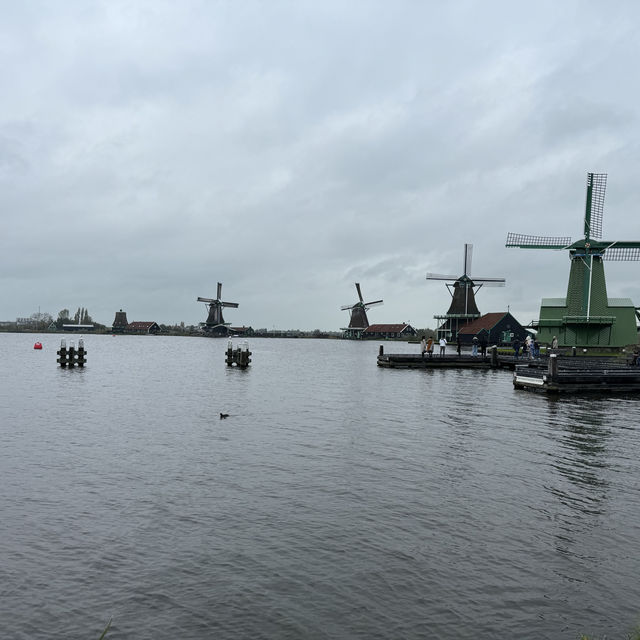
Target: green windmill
{"type": "Point", "coordinates": [587, 317]}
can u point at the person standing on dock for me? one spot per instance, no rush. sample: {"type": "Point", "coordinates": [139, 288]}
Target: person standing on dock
{"type": "Point", "coordinates": [443, 346]}
{"type": "Point", "coordinates": [423, 347]}
{"type": "Point", "coordinates": [458, 346]}
{"type": "Point", "coordinates": [516, 348]}
{"type": "Point", "coordinates": [554, 343]}
{"type": "Point", "coordinates": [430, 347]}
{"type": "Point", "coordinates": [474, 347]}
{"type": "Point", "coordinates": [483, 346]}
{"type": "Point", "coordinates": [529, 344]}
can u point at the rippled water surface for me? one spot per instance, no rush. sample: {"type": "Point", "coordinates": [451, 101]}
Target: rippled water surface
{"type": "Point", "coordinates": [338, 500]}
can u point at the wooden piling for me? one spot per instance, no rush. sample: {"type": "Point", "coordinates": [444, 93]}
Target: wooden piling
{"type": "Point", "coordinates": [552, 368]}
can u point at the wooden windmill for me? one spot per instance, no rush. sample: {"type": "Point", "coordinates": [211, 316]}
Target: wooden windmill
{"type": "Point", "coordinates": [587, 317]}
{"type": "Point", "coordinates": [463, 291]}
{"type": "Point", "coordinates": [359, 321]}
{"type": "Point", "coordinates": [215, 323]}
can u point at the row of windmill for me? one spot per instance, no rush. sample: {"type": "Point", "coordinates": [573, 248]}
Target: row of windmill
{"type": "Point", "coordinates": [585, 317]}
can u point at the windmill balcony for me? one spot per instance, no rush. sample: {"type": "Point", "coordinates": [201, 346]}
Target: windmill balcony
{"type": "Point", "coordinates": [463, 316]}
{"type": "Point", "coordinates": [569, 320]}
{"type": "Point", "coordinates": [588, 320]}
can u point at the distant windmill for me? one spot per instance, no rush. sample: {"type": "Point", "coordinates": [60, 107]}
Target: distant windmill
{"type": "Point", "coordinates": [359, 321]}
{"type": "Point", "coordinates": [587, 316]}
{"type": "Point", "coordinates": [215, 322]}
{"type": "Point", "coordinates": [463, 307]}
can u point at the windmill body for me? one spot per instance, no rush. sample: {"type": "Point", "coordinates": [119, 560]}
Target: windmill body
{"type": "Point", "coordinates": [463, 289]}
{"type": "Point", "coordinates": [358, 321]}
{"type": "Point", "coordinates": [586, 316]}
{"type": "Point", "coordinates": [215, 324]}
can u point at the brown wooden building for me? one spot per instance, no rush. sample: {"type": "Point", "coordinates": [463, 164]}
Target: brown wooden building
{"type": "Point", "coordinates": [143, 327]}
{"type": "Point", "coordinates": [388, 331]}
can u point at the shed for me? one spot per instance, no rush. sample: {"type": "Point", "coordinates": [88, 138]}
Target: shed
{"type": "Point", "coordinates": [388, 331]}
{"type": "Point", "coordinates": [498, 328]}
{"type": "Point", "coordinates": [143, 327]}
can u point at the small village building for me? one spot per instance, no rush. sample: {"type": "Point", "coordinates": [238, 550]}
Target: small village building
{"type": "Point", "coordinates": [241, 331]}
{"type": "Point", "coordinates": [143, 327]}
{"type": "Point", "coordinates": [499, 328]}
{"type": "Point", "coordinates": [78, 327]}
{"type": "Point", "coordinates": [388, 331]}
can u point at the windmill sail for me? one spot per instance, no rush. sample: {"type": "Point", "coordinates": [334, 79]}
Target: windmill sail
{"type": "Point", "coordinates": [596, 187]}
{"type": "Point", "coordinates": [537, 242]}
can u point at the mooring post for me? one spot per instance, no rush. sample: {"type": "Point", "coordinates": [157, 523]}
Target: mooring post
{"type": "Point", "coordinates": [494, 356]}
{"type": "Point", "coordinates": [229, 358]}
{"type": "Point", "coordinates": [63, 353]}
{"type": "Point", "coordinates": [573, 351]}
{"type": "Point", "coordinates": [81, 353]}
{"type": "Point", "coordinates": [381, 350]}
{"type": "Point", "coordinates": [552, 367]}
{"type": "Point", "coordinates": [245, 360]}
{"type": "Point", "coordinates": [71, 357]}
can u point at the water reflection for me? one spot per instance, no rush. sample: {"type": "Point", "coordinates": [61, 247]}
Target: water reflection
{"type": "Point", "coordinates": [580, 432]}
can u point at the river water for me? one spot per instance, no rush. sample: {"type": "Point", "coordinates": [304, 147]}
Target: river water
{"type": "Point", "coordinates": [337, 500]}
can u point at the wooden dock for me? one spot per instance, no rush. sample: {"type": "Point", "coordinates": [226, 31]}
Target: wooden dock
{"type": "Point", "coordinates": [558, 374]}
{"type": "Point", "coordinates": [492, 360]}
{"type": "Point", "coordinates": [550, 374]}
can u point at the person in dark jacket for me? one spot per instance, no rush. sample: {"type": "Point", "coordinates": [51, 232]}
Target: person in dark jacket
{"type": "Point", "coordinates": [483, 346]}
{"type": "Point", "coordinates": [516, 348]}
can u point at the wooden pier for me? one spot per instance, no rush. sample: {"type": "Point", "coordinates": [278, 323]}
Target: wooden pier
{"type": "Point", "coordinates": [558, 374]}
{"type": "Point", "coordinates": [493, 360]}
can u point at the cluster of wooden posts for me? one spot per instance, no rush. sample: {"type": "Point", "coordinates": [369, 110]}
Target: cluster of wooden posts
{"type": "Point", "coordinates": [72, 357]}
{"type": "Point", "coordinates": [240, 356]}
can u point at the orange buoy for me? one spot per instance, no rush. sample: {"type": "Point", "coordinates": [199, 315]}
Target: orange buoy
{"type": "Point", "coordinates": [37, 345]}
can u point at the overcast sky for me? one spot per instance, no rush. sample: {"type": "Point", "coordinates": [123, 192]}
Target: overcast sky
{"type": "Point", "coordinates": [151, 149]}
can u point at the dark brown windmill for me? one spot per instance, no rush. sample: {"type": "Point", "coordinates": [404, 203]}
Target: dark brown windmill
{"type": "Point", "coordinates": [215, 323]}
{"type": "Point", "coordinates": [359, 321]}
{"type": "Point", "coordinates": [462, 288]}
{"type": "Point", "coordinates": [120, 322]}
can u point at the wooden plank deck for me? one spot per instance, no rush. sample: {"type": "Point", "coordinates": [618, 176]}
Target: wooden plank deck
{"type": "Point", "coordinates": [578, 375]}
{"type": "Point", "coordinates": [448, 361]}
{"type": "Point", "coordinates": [550, 374]}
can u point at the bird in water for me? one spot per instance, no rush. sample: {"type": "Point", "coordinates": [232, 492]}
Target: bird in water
{"type": "Point", "coordinates": [224, 415]}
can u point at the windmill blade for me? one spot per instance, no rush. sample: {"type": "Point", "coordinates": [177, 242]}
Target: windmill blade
{"type": "Point", "coordinates": [235, 305]}
{"type": "Point", "coordinates": [489, 282]}
{"type": "Point", "coordinates": [596, 187]}
{"type": "Point", "coordinates": [358, 290]}
{"type": "Point", "coordinates": [373, 304]}
{"type": "Point", "coordinates": [219, 290]}
{"type": "Point", "coordinates": [439, 276]}
{"type": "Point", "coordinates": [347, 306]}
{"type": "Point", "coordinates": [537, 242]}
{"type": "Point", "coordinates": [205, 300]}
{"type": "Point", "coordinates": [622, 253]}
{"type": "Point", "coordinates": [468, 253]}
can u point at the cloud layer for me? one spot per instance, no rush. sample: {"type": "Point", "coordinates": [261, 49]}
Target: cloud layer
{"type": "Point", "coordinates": [149, 150]}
